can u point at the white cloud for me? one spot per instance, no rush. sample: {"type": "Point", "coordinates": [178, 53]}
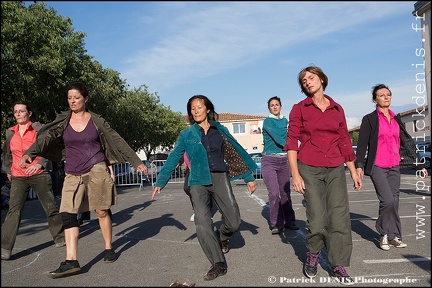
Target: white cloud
{"type": "Point", "coordinates": [226, 35]}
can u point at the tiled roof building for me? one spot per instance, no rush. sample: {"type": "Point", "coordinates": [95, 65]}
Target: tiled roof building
{"type": "Point", "coordinates": [246, 128]}
{"type": "Point", "coordinates": [230, 117]}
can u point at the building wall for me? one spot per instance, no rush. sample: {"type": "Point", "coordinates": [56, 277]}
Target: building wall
{"type": "Point", "coordinates": [252, 139]}
{"type": "Point", "coordinates": [417, 123]}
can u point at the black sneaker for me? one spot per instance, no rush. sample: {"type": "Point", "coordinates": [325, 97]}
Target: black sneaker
{"type": "Point", "coordinates": [66, 268]}
{"type": "Point", "coordinates": [110, 256]}
{"type": "Point", "coordinates": [310, 266]}
{"type": "Point", "coordinates": [340, 275]}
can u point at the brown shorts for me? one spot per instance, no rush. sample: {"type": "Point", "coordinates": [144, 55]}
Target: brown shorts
{"type": "Point", "coordinates": [94, 190]}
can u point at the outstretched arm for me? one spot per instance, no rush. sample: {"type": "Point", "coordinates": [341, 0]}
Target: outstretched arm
{"type": "Point", "coordinates": [251, 186]}
{"type": "Point", "coordinates": [143, 169]}
{"type": "Point", "coordinates": [155, 190]}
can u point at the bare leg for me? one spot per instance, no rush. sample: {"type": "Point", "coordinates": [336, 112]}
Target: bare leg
{"type": "Point", "coordinates": [106, 227]}
{"type": "Point", "coordinates": [71, 238]}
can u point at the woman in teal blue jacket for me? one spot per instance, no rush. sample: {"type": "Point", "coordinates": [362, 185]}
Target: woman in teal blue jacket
{"type": "Point", "coordinates": [275, 169]}
{"type": "Point", "coordinates": [215, 158]}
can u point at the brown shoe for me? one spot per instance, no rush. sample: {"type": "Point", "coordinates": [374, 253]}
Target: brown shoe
{"type": "Point", "coordinates": [217, 270]}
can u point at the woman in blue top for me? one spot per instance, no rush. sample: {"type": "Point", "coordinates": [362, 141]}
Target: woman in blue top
{"type": "Point", "coordinates": [276, 170]}
{"type": "Point", "coordinates": [216, 158]}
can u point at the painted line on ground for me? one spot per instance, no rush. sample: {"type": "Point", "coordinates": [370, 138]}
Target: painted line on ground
{"type": "Point", "coordinates": [400, 260]}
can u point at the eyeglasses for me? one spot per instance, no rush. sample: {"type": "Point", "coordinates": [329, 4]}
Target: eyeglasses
{"type": "Point", "coordinates": [20, 111]}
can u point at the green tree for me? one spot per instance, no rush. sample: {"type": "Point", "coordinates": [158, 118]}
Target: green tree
{"type": "Point", "coordinates": [105, 87]}
{"type": "Point", "coordinates": [145, 123]}
{"type": "Point", "coordinates": [354, 137]}
{"type": "Point", "coordinates": [41, 54]}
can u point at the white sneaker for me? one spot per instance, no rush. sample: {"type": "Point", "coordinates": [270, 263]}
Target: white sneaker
{"type": "Point", "coordinates": [396, 242]}
{"type": "Point", "coordinates": [384, 244]}
{"type": "Point", "coordinates": [192, 218]}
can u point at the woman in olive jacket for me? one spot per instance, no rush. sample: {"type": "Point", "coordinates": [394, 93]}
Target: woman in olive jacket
{"type": "Point", "coordinates": [87, 145]}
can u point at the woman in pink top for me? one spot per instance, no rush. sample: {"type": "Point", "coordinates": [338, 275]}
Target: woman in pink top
{"type": "Point", "coordinates": [186, 186]}
{"type": "Point", "coordinates": [390, 148]}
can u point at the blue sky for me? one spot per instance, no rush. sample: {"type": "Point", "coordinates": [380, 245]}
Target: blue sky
{"type": "Point", "coordinates": [240, 54]}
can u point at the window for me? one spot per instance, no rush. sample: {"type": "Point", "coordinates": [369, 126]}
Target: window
{"type": "Point", "coordinates": [239, 128]}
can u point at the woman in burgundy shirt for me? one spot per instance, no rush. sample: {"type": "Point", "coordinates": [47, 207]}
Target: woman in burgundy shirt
{"type": "Point", "coordinates": [318, 145]}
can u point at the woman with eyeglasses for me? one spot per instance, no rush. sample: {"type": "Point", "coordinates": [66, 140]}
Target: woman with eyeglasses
{"type": "Point", "coordinates": [35, 175]}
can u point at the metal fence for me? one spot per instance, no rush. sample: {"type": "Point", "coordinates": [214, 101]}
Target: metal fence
{"type": "Point", "coordinates": [126, 175]}
{"type": "Point", "coordinates": [257, 173]}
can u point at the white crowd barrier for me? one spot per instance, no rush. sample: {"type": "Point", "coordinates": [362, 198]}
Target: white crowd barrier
{"type": "Point", "coordinates": [125, 175]}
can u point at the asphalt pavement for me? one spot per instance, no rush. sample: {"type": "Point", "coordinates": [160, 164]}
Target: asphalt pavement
{"type": "Point", "coordinates": [157, 244]}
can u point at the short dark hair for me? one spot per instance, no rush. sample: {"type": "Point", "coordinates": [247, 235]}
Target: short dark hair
{"type": "Point", "coordinates": [378, 87]}
{"type": "Point", "coordinates": [81, 87]}
{"type": "Point", "coordinates": [274, 98]}
{"type": "Point", "coordinates": [33, 117]}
